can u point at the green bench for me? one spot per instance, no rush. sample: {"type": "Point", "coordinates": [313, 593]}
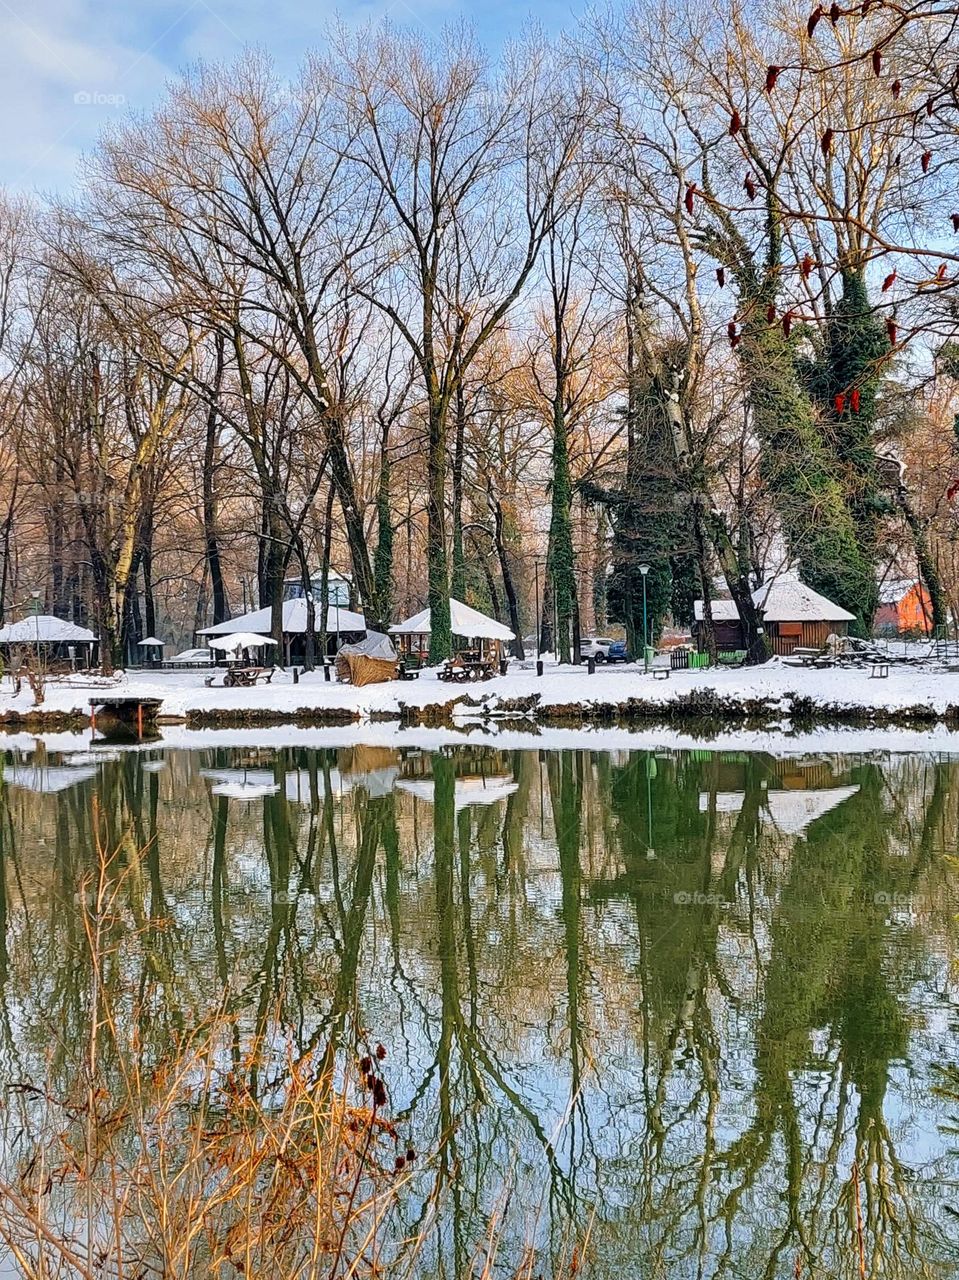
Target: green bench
{"type": "Point", "coordinates": [731, 658]}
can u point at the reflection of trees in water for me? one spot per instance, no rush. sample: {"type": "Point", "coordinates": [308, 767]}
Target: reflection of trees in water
{"type": "Point", "coordinates": [622, 989]}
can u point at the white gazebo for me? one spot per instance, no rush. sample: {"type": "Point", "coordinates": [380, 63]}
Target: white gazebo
{"type": "Point", "coordinates": [342, 623]}
{"type": "Point", "coordinates": [49, 631]}
{"type": "Point", "coordinates": [484, 634]}
{"type": "Point", "coordinates": [464, 621]}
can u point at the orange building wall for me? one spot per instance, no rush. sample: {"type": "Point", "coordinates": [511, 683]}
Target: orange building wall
{"type": "Point", "coordinates": [912, 613]}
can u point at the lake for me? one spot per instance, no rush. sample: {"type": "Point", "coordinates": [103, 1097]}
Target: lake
{"type": "Point", "coordinates": [696, 1007]}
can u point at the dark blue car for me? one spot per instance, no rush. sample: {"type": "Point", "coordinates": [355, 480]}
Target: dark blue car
{"type": "Point", "coordinates": [617, 652]}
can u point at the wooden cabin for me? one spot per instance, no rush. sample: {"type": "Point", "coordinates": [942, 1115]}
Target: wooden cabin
{"type": "Point", "coordinates": [793, 615]}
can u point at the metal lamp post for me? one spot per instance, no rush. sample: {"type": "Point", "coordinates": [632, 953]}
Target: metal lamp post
{"type": "Point", "coordinates": [36, 622]}
{"type": "Point", "coordinates": [644, 570]}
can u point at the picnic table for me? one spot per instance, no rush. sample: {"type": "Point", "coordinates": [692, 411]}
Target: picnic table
{"type": "Point", "coordinates": [467, 668]}
{"type": "Point", "coordinates": [245, 677]}
{"type": "Point", "coordinates": [802, 657]}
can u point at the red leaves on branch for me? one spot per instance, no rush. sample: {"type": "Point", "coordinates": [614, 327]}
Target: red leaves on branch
{"type": "Point", "coordinates": [806, 266]}
{"type": "Point", "coordinates": [750, 186]}
{"type": "Point", "coordinates": [735, 124]}
{"type": "Point", "coordinates": [929, 106]}
{"type": "Point", "coordinates": [689, 197]}
{"type": "Point", "coordinates": [734, 335]}
{"type": "Point", "coordinates": [941, 273]}
{"type": "Point", "coordinates": [825, 141]}
{"type": "Point", "coordinates": [876, 62]}
{"type": "Point", "coordinates": [834, 13]}
{"type": "Point", "coordinates": [721, 277]}
{"type": "Point", "coordinates": [955, 222]}
{"type": "Point", "coordinates": [770, 314]}
{"type": "Point", "coordinates": [891, 331]}
{"type": "Point", "coordinates": [839, 402]}
{"type": "Point", "coordinates": [896, 88]}
{"type": "Point", "coordinates": [787, 323]}
{"type": "Point", "coordinates": [772, 75]}
{"type": "Point", "coordinates": [813, 21]}
{"type": "Point", "coordinates": [889, 281]}
{"type": "Point", "coordinates": [926, 158]}
{"type": "Point", "coordinates": [854, 399]}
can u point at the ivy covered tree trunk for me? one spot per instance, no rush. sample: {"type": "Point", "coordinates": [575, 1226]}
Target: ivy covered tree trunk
{"type": "Point", "coordinates": [438, 594]}
{"type": "Point", "coordinates": [802, 473]}
{"type": "Point", "coordinates": [458, 580]}
{"type": "Point", "coordinates": [560, 562]}
{"type": "Point", "coordinates": [844, 384]}
{"type": "Point", "coordinates": [221, 605]}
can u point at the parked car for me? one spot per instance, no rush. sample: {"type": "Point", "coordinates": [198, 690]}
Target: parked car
{"type": "Point", "coordinates": [617, 652]}
{"type": "Point", "coordinates": [596, 647]}
{"type": "Point", "coordinates": [191, 658]}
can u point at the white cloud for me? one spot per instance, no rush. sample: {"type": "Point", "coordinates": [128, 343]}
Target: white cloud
{"type": "Point", "coordinates": [68, 66]}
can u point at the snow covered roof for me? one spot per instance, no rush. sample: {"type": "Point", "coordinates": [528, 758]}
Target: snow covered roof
{"type": "Point", "coordinates": [46, 629]}
{"type": "Point", "coordinates": [294, 620]}
{"type": "Point", "coordinates": [782, 600]}
{"type": "Point", "coordinates": [722, 610]}
{"type": "Point", "coordinates": [789, 600]}
{"type": "Point", "coordinates": [464, 621]}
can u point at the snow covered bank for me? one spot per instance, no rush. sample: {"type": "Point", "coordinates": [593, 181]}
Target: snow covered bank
{"type": "Point", "coordinates": [508, 736]}
{"type": "Point", "coordinates": [762, 695]}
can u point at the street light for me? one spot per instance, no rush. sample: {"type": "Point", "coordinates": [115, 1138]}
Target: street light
{"type": "Point", "coordinates": [36, 623]}
{"type": "Point", "coordinates": [644, 570]}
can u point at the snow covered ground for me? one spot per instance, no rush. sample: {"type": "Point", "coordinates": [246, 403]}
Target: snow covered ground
{"type": "Point", "coordinates": [184, 692]}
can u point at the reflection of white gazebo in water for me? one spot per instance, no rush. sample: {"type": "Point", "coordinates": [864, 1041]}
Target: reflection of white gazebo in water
{"type": "Point", "coordinates": [467, 792]}
{"type": "Point", "coordinates": [791, 811]}
{"type": "Point", "coordinates": [46, 779]}
{"type": "Point", "coordinates": [241, 784]}
{"type": "Point", "coordinates": [483, 638]}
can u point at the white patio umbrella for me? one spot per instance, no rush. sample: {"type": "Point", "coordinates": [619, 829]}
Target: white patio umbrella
{"type": "Point", "coordinates": [151, 642]}
{"type": "Point", "coordinates": [240, 640]}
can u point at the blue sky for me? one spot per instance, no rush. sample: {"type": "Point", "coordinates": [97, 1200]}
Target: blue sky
{"type": "Point", "coordinates": [69, 66]}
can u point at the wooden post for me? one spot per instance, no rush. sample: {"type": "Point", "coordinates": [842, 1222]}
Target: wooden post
{"type": "Point", "coordinates": [139, 719]}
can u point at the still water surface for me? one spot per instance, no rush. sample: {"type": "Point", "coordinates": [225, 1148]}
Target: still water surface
{"type": "Point", "coordinates": [696, 1000]}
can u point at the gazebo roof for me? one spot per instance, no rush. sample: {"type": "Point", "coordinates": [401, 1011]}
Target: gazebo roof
{"type": "Point", "coordinates": [464, 621]}
{"type": "Point", "coordinates": [44, 628]}
{"type": "Point", "coordinates": [294, 620]}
